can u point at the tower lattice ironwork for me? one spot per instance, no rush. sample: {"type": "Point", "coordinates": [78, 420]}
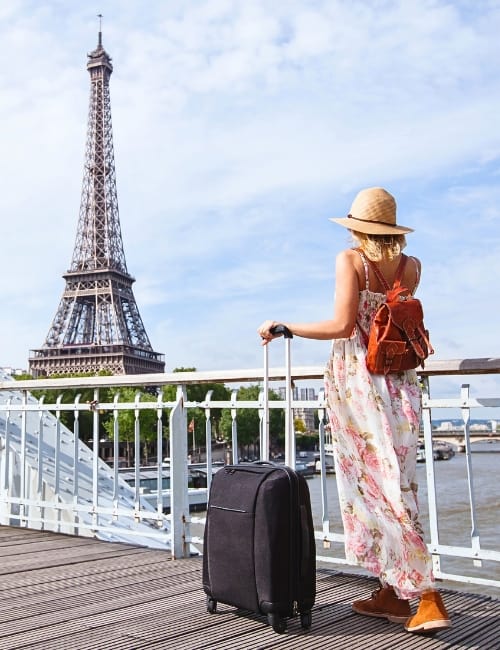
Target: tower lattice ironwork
{"type": "Point", "coordinates": [97, 325]}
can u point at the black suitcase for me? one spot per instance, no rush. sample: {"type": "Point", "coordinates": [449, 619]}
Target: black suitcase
{"type": "Point", "coordinates": [259, 549]}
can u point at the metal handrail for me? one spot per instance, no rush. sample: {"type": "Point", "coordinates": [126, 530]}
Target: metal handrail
{"type": "Point", "coordinates": [433, 368]}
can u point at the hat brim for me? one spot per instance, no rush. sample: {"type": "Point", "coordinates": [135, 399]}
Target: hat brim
{"type": "Point", "coordinates": [371, 227]}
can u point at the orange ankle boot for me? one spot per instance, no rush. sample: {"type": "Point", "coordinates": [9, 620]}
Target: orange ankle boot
{"type": "Point", "coordinates": [384, 603]}
{"type": "Point", "coordinates": [431, 615]}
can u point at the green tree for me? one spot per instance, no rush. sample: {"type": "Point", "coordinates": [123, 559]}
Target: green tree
{"type": "Point", "coordinates": [196, 416]}
{"type": "Point", "coordinates": [147, 418]}
{"type": "Point", "coordinates": [68, 396]}
{"type": "Point", "coordinates": [126, 424]}
{"type": "Point", "coordinates": [248, 421]}
{"type": "Point", "coordinates": [299, 425]}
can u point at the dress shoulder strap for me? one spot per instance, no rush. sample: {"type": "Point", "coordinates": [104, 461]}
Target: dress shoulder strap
{"type": "Point", "coordinates": [365, 264]}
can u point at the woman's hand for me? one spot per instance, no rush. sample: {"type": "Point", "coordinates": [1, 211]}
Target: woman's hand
{"type": "Point", "coordinates": [265, 331]}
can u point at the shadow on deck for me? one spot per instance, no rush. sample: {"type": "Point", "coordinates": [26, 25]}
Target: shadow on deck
{"type": "Point", "coordinates": [74, 593]}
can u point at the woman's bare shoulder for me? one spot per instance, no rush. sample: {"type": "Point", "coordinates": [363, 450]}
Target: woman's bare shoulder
{"type": "Point", "coordinates": [413, 257]}
{"type": "Point", "coordinates": [416, 261]}
{"type": "Point", "coordinates": [350, 265]}
{"type": "Point", "coordinates": [349, 256]}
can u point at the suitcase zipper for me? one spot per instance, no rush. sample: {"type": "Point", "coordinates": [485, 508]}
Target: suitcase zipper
{"type": "Point", "coordinates": [214, 507]}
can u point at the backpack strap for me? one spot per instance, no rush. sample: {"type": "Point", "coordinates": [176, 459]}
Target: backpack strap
{"type": "Point", "coordinates": [380, 276]}
{"type": "Point", "coordinates": [400, 271]}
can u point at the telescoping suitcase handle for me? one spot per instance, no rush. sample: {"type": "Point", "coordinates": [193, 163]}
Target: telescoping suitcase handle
{"type": "Point", "coordinates": [281, 329]}
{"type": "Point", "coordinates": [289, 433]}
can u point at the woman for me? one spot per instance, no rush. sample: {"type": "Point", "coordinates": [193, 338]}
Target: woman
{"type": "Point", "coordinates": [374, 421]}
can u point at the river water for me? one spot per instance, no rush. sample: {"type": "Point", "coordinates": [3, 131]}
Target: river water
{"type": "Point", "coordinates": [454, 513]}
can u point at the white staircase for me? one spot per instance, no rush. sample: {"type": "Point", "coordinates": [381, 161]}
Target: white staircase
{"type": "Point", "coordinates": [50, 481]}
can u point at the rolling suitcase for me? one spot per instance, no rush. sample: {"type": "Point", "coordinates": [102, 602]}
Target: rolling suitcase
{"type": "Point", "coordinates": [259, 548]}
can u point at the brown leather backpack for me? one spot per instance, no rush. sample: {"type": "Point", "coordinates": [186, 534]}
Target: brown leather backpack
{"type": "Point", "coordinates": [398, 339]}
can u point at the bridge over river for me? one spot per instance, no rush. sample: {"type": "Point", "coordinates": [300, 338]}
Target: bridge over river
{"type": "Point", "coordinates": [456, 437]}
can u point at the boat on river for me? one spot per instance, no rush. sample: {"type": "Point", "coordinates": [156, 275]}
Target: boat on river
{"type": "Point", "coordinates": [440, 450]}
{"type": "Point", "coordinates": [329, 459]}
{"type": "Point", "coordinates": [329, 464]}
{"type": "Point", "coordinates": [148, 485]}
{"type": "Point", "coordinates": [304, 463]}
{"type": "Point", "coordinates": [197, 483]}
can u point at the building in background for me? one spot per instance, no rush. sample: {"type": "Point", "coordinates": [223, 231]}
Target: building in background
{"type": "Point", "coordinates": [302, 413]}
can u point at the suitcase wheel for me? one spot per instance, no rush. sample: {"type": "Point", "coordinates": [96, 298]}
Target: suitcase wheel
{"type": "Point", "coordinates": [306, 619]}
{"type": "Point", "coordinates": [277, 622]}
{"type": "Point", "coordinates": [211, 605]}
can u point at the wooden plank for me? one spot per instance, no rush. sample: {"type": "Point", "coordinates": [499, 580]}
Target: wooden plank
{"type": "Point", "coordinates": [95, 595]}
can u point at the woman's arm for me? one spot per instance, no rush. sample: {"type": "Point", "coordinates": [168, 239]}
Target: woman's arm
{"type": "Point", "coordinates": [345, 307]}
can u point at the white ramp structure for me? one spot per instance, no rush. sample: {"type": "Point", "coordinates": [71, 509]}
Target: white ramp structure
{"type": "Point", "coordinates": [50, 480]}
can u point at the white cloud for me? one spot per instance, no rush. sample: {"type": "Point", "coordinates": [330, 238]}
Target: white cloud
{"type": "Point", "coordinates": [239, 129]}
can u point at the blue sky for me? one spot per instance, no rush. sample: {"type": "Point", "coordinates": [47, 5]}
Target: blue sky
{"type": "Point", "coordinates": [240, 127]}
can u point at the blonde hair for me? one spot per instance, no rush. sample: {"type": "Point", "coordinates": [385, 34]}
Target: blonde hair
{"type": "Point", "coordinates": [379, 247]}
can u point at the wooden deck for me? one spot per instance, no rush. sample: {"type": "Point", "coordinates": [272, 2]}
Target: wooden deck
{"type": "Point", "coordinates": [65, 593]}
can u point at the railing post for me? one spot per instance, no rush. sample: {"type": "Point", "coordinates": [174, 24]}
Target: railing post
{"type": "Point", "coordinates": [137, 455]}
{"type": "Point", "coordinates": [325, 518]}
{"type": "Point", "coordinates": [474, 533]}
{"type": "Point", "coordinates": [76, 469]}
{"type": "Point", "coordinates": [159, 455]}
{"type": "Point", "coordinates": [23, 507]}
{"type": "Point", "coordinates": [208, 439]}
{"type": "Point", "coordinates": [39, 462]}
{"type": "Point", "coordinates": [431, 480]}
{"type": "Point", "coordinates": [57, 463]}
{"type": "Point", "coordinates": [179, 503]}
{"type": "Point", "coordinates": [93, 406]}
{"type": "Point", "coordinates": [116, 455]}
{"type": "Point", "coordinates": [5, 494]}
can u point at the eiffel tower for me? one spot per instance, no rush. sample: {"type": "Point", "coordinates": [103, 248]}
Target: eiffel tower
{"type": "Point", "coordinates": [97, 325]}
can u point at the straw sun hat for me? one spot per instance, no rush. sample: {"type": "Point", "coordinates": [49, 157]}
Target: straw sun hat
{"type": "Point", "coordinates": [373, 211]}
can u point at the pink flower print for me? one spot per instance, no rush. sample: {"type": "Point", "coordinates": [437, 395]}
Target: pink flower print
{"type": "Point", "coordinates": [414, 539]}
{"type": "Point", "coordinates": [358, 546]}
{"type": "Point", "coordinates": [371, 459]}
{"type": "Point", "coordinates": [372, 561]}
{"type": "Point", "coordinates": [348, 468]}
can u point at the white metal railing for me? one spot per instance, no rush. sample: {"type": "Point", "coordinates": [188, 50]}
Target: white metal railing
{"type": "Point", "coordinates": [50, 480]}
{"type": "Point", "coordinates": [474, 552]}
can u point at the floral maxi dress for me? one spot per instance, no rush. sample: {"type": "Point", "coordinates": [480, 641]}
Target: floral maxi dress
{"type": "Point", "coordinates": [374, 421]}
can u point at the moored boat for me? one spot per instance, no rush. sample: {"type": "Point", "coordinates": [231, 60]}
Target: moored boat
{"type": "Point", "coordinates": [440, 451]}
{"type": "Point", "coordinates": [148, 485]}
